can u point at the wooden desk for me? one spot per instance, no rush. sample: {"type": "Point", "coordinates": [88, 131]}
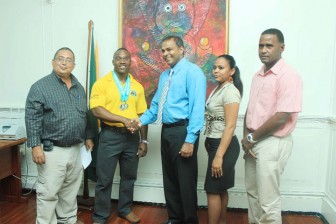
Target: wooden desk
{"type": "Point", "coordinates": [10, 186]}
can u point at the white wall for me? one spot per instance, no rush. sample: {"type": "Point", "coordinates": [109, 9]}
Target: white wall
{"type": "Point", "coordinates": [329, 201]}
{"type": "Point", "coordinates": [32, 30]}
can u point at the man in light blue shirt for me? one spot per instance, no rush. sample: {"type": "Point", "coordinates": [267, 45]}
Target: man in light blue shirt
{"type": "Point", "coordinates": [182, 120]}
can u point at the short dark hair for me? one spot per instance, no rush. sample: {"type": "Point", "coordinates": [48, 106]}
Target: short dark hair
{"type": "Point", "coordinates": [177, 40]}
{"type": "Point", "coordinates": [66, 49]}
{"type": "Point", "coordinates": [275, 32]}
{"type": "Point", "coordinates": [120, 49]}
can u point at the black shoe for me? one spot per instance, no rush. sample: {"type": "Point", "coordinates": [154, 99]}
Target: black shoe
{"type": "Point", "coordinates": [172, 222]}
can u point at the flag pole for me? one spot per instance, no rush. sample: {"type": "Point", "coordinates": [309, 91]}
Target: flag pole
{"type": "Point", "coordinates": [88, 59]}
{"type": "Point", "coordinates": [85, 202]}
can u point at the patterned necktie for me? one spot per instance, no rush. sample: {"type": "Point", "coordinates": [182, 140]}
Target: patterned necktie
{"type": "Point", "coordinates": [163, 98]}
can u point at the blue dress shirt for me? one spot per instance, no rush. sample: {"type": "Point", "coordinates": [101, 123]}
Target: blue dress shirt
{"type": "Point", "coordinates": [185, 99]}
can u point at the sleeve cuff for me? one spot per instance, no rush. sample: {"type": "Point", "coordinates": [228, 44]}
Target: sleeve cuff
{"type": "Point", "coordinates": [191, 138]}
{"type": "Point", "coordinates": [143, 121]}
{"type": "Point", "coordinates": [33, 142]}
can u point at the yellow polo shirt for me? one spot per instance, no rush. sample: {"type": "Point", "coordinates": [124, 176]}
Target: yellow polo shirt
{"type": "Point", "coordinates": [105, 94]}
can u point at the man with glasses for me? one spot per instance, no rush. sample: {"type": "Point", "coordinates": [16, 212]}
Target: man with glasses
{"type": "Point", "coordinates": [56, 125]}
{"type": "Point", "coordinates": [115, 99]}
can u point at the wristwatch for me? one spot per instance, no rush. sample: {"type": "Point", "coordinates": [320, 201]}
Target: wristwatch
{"type": "Point", "coordinates": [250, 138]}
{"type": "Point", "coordinates": [144, 141]}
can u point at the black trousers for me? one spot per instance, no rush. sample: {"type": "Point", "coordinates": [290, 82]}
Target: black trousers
{"type": "Point", "coordinates": [179, 175]}
{"type": "Point", "coordinates": [115, 147]}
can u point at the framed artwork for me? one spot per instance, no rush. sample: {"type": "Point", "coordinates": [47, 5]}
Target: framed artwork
{"type": "Point", "coordinates": [202, 25]}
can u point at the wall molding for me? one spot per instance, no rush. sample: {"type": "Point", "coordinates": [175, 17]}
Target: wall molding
{"type": "Point", "coordinates": [292, 200]}
{"type": "Point", "coordinates": [329, 209]}
{"type": "Point", "coordinates": [307, 118]}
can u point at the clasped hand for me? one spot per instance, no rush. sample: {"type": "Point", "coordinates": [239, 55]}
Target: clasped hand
{"type": "Point", "coordinates": [247, 147]}
{"type": "Point", "coordinates": [133, 124]}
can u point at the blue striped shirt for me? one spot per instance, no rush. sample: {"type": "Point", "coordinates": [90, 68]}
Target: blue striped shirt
{"type": "Point", "coordinates": [185, 99]}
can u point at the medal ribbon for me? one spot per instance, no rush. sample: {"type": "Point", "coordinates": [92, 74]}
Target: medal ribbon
{"type": "Point", "coordinates": [124, 91]}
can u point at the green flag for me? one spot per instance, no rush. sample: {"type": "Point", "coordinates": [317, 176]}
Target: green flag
{"type": "Point", "coordinates": [91, 79]}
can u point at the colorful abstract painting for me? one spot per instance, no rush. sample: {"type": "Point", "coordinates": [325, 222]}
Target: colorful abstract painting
{"type": "Point", "coordinates": [202, 24]}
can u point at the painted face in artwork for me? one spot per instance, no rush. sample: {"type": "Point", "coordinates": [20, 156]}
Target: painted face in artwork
{"type": "Point", "coordinates": [153, 20]}
{"type": "Point", "coordinates": [174, 16]}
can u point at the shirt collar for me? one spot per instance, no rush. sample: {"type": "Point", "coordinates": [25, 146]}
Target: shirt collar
{"type": "Point", "coordinates": [111, 78]}
{"type": "Point", "coordinates": [73, 79]}
{"type": "Point", "coordinates": [274, 70]}
{"type": "Point", "coordinates": [179, 65]}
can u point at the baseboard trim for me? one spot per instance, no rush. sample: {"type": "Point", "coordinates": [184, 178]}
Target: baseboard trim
{"type": "Point", "coordinates": [291, 200]}
{"type": "Point", "coordinates": [329, 210]}
{"type": "Point", "coordinates": [306, 203]}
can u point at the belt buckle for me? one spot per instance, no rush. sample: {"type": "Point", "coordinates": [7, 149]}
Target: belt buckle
{"type": "Point", "coordinates": [120, 130]}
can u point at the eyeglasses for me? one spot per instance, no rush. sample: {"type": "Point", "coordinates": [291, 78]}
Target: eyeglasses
{"type": "Point", "coordinates": [64, 60]}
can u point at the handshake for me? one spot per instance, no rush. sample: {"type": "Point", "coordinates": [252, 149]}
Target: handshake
{"type": "Point", "coordinates": [132, 124]}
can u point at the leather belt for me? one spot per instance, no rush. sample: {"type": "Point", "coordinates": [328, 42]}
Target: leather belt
{"type": "Point", "coordinates": [176, 124]}
{"type": "Point", "coordinates": [59, 143]}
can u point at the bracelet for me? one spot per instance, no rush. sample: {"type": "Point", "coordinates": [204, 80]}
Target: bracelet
{"type": "Point", "coordinates": [144, 141]}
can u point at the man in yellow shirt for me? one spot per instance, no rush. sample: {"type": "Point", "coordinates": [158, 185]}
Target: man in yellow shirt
{"type": "Point", "coordinates": [115, 99]}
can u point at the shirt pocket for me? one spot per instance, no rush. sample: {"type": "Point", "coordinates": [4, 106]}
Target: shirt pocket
{"type": "Point", "coordinates": [78, 100]}
{"type": "Point", "coordinates": [81, 107]}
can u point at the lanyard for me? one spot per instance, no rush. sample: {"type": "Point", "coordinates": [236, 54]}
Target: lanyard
{"type": "Point", "coordinates": [124, 91]}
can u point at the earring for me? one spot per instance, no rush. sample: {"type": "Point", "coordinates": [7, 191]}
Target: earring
{"type": "Point", "coordinates": [230, 79]}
